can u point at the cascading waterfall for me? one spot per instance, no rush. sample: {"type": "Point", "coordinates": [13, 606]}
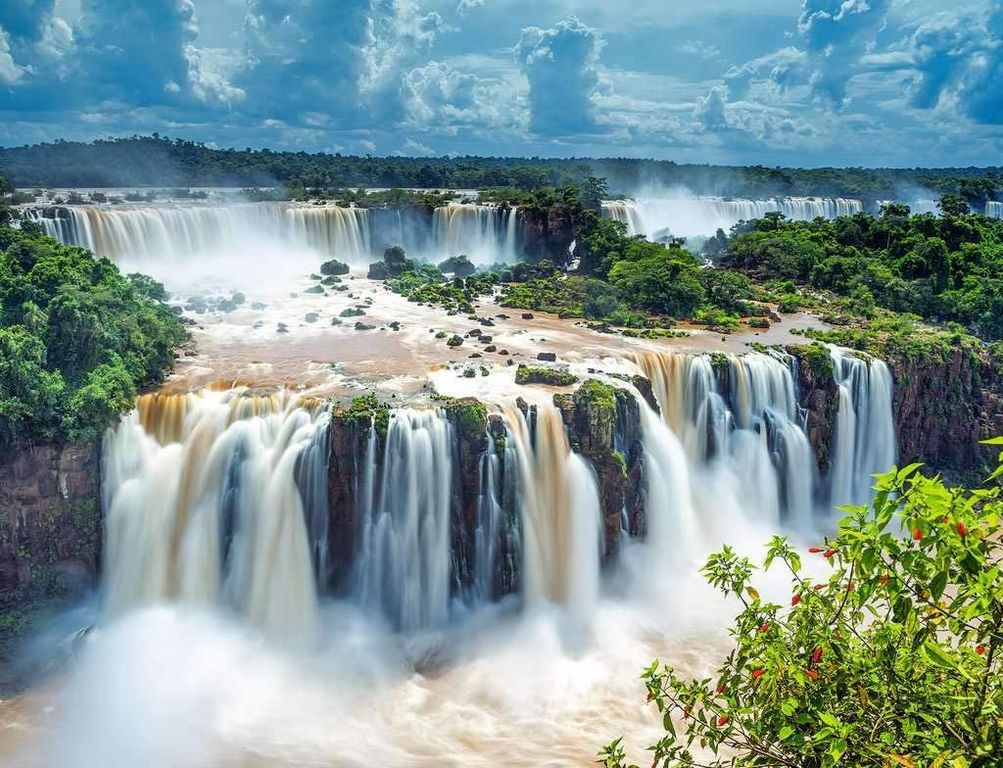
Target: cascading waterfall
{"type": "Point", "coordinates": [561, 542]}
{"type": "Point", "coordinates": [864, 442]}
{"type": "Point", "coordinates": [203, 505]}
{"type": "Point", "coordinates": [994, 209]}
{"type": "Point", "coordinates": [403, 561]}
{"type": "Point", "coordinates": [486, 234]}
{"type": "Point", "coordinates": [178, 233]}
{"type": "Point", "coordinates": [657, 218]}
{"type": "Point", "coordinates": [737, 420]}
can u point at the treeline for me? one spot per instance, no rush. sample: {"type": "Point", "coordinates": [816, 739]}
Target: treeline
{"type": "Point", "coordinates": [160, 161]}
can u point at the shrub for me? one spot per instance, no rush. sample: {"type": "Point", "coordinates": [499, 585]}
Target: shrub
{"type": "Point", "coordinates": [894, 659]}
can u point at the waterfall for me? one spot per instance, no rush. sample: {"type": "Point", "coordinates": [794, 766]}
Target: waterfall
{"type": "Point", "coordinates": [561, 518]}
{"type": "Point", "coordinates": [738, 424]}
{"type": "Point", "coordinates": [864, 443]}
{"type": "Point", "coordinates": [994, 209]}
{"type": "Point", "coordinates": [403, 562]}
{"type": "Point", "coordinates": [175, 234]}
{"type": "Point", "coordinates": [658, 218]}
{"type": "Point", "coordinates": [202, 505]}
{"type": "Point", "coordinates": [486, 234]}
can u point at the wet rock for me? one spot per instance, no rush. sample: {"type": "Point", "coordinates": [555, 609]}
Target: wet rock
{"type": "Point", "coordinates": [490, 348]}
{"type": "Point", "coordinates": [312, 317]}
{"type": "Point", "coordinates": [361, 326]}
{"type": "Point", "coordinates": [258, 306]}
{"type": "Point", "coordinates": [547, 357]}
{"type": "Point", "coordinates": [527, 316]}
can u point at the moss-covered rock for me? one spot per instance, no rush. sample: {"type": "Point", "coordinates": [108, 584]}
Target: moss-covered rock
{"type": "Point", "coordinates": [527, 374]}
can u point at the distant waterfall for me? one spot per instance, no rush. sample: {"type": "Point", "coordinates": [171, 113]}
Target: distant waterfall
{"type": "Point", "coordinates": [658, 218]}
{"type": "Point", "coordinates": [403, 560]}
{"type": "Point", "coordinates": [864, 442]}
{"type": "Point", "coordinates": [155, 235]}
{"type": "Point", "coordinates": [179, 233]}
{"type": "Point", "coordinates": [486, 234]}
{"type": "Point", "coordinates": [203, 504]}
{"type": "Point", "coordinates": [994, 209]}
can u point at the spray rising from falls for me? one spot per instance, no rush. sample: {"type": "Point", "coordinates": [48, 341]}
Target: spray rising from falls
{"type": "Point", "coordinates": [217, 499]}
{"type": "Point", "coordinates": [657, 218]}
{"type": "Point", "coordinates": [994, 209]}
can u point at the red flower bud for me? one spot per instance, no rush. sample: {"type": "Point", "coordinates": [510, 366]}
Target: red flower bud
{"type": "Point", "coordinates": [650, 696]}
{"type": "Point", "coordinates": [796, 599]}
{"type": "Point", "coordinates": [962, 529]}
{"type": "Point", "coordinates": [851, 586]}
{"type": "Point", "coordinates": [819, 587]}
{"type": "Point", "coordinates": [758, 673]}
{"type": "Point", "coordinates": [980, 649]}
{"type": "Point", "coordinates": [719, 689]}
{"type": "Point", "coordinates": [917, 534]}
{"type": "Point", "coordinates": [764, 627]}
{"type": "Point", "coordinates": [829, 553]}
{"type": "Point", "coordinates": [884, 579]}
{"type": "Point", "coordinates": [816, 550]}
{"type": "Point", "coordinates": [721, 720]}
{"type": "Point", "coordinates": [816, 656]}
{"type": "Point", "coordinates": [812, 673]}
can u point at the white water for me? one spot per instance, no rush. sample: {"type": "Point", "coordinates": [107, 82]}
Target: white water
{"type": "Point", "coordinates": [687, 216]}
{"type": "Point", "coordinates": [396, 674]}
{"type": "Point", "coordinates": [146, 237]}
{"type": "Point", "coordinates": [741, 431]}
{"type": "Point", "coordinates": [403, 556]}
{"type": "Point", "coordinates": [994, 209]}
{"type": "Point", "coordinates": [203, 507]}
{"type": "Point", "coordinates": [864, 442]}
{"type": "Point", "coordinates": [483, 233]}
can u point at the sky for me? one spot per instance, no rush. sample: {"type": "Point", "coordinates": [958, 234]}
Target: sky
{"type": "Point", "coordinates": [809, 83]}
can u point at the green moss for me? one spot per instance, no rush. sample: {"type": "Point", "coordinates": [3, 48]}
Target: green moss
{"type": "Point", "coordinates": [622, 461]}
{"type": "Point", "coordinates": [526, 374]}
{"type": "Point", "coordinates": [595, 394]}
{"type": "Point", "coordinates": [454, 341]}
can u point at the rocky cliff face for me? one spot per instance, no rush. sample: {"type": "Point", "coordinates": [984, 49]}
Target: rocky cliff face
{"type": "Point", "coordinates": [546, 234]}
{"type": "Point", "coordinates": [819, 395]}
{"type": "Point", "coordinates": [50, 521]}
{"type": "Point", "coordinates": [945, 402]}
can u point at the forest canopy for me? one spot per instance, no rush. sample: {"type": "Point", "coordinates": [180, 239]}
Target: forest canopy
{"type": "Point", "coordinates": [160, 161]}
{"type": "Point", "coordinates": [77, 338]}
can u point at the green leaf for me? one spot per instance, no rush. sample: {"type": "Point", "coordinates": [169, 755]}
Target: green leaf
{"type": "Point", "coordinates": [829, 719]}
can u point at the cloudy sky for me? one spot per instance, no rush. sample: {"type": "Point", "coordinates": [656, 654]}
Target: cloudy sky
{"type": "Point", "coordinates": [815, 82]}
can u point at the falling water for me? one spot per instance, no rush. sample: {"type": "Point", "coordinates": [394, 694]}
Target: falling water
{"type": "Point", "coordinates": [561, 515]}
{"type": "Point", "coordinates": [403, 562]}
{"type": "Point", "coordinates": [202, 505]}
{"type": "Point", "coordinates": [657, 218]}
{"type": "Point", "coordinates": [864, 442]}
{"type": "Point", "coordinates": [994, 209]}
{"type": "Point", "coordinates": [486, 234]}
{"type": "Point", "coordinates": [738, 422]}
{"type": "Point", "coordinates": [176, 234]}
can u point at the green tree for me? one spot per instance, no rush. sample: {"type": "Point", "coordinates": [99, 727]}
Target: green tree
{"type": "Point", "coordinates": [894, 659]}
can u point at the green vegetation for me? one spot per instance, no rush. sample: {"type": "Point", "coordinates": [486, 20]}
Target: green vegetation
{"type": "Point", "coordinates": [77, 339]}
{"type": "Point", "coordinates": [940, 268]}
{"type": "Point", "coordinates": [894, 659]}
{"type": "Point", "coordinates": [156, 160]}
{"type": "Point", "coordinates": [534, 374]}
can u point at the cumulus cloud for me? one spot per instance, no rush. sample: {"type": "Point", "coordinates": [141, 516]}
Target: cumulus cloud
{"type": "Point", "coordinates": [560, 64]}
{"type": "Point", "coordinates": [710, 110]}
{"type": "Point", "coordinates": [464, 6]}
{"type": "Point", "coordinates": [10, 72]}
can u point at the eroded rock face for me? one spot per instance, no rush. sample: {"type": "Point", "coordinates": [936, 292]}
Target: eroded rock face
{"type": "Point", "coordinates": [544, 233]}
{"type": "Point", "coordinates": [819, 395]}
{"type": "Point", "coordinates": [50, 521]}
{"type": "Point", "coordinates": [944, 404]}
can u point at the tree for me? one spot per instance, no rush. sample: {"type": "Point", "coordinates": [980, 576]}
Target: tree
{"type": "Point", "coordinates": [653, 278]}
{"type": "Point", "coordinates": [952, 205]}
{"type": "Point", "coordinates": [894, 659]}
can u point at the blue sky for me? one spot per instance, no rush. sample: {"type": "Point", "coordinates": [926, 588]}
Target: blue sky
{"type": "Point", "coordinates": [816, 82]}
